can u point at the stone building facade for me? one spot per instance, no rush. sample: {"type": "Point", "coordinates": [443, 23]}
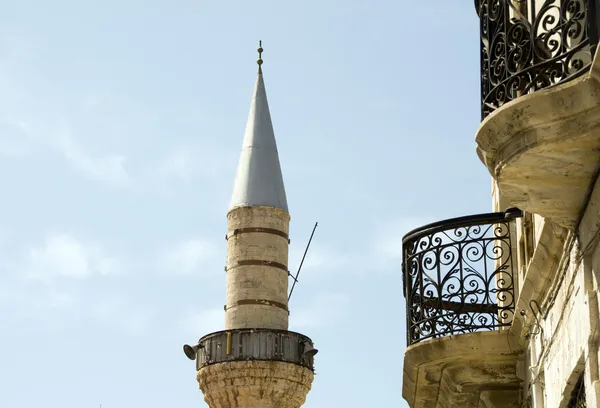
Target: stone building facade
{"type": "Point", "coordinates": [502, 308]}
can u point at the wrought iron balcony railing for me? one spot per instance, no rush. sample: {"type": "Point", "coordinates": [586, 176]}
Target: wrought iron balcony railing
{"type": "Point", "coordinates": [528, 45]}
{"type": "Point", "coordinates": [458, 276]}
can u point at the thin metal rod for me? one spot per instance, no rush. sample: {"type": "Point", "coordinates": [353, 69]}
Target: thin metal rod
{"type": "Point", "coordinates": [302, 262]}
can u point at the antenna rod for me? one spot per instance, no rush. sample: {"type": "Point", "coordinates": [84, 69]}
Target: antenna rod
{"type": "Point", "coordinates": [302, 262]}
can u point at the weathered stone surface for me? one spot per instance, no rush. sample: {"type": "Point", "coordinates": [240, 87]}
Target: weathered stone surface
{"type": "Point", "coordinates": [453, 371]}
{"type": "Point", "coordinates": [539, 271]}
{"type": "Point", "coordinates": [558, 294]}
{"type": "Point", "coordinates": [255, 384]}
{"type": "Point", "coordinates": [499, 399]}
{"type": "Point", "coordinates": [543, 149]}
{"type": "Point", "coordinates": [589, 230]}
{"type": "Point", "coordinates": [256, 282]}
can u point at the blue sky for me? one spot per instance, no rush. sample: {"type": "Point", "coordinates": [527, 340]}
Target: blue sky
{"type": "Point", "coordinates": [120, 127]}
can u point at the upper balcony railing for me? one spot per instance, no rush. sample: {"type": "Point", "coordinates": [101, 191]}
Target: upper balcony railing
{"type": "Point", "coordinates": [458, 276]}
{"type": "Point", "coordinates": [528, 45]}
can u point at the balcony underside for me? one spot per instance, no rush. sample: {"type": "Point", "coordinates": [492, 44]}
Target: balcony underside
{"type": "Point", "coordinates": [467, 370]}
{"type": "Point", "coordinates": [543, 148]}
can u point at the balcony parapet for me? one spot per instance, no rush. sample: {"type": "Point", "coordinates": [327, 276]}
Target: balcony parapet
{"type": "Point", "coordinates": [254, 367]}
{"type": "Point", "coordinates": [529, 45]}
{"type": "Point", "coordinates": [458, 276]}
{"type": "Point", "coordinates": [255, 345]}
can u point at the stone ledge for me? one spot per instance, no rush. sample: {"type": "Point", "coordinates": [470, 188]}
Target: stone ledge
{"type": "Point", "coordinates": [543, 148]}
{"type": "Point", "coordinates": [453, 371]}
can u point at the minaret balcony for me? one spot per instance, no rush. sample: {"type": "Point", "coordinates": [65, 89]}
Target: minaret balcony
{"type": "Point", "coordinates": [540, 103]}
{"type": "Point", "coordinates": [255, 344]}
{"type": "Point", "coordinates": [459, 286]}
{"type": "Point", "coordinates": [254, 368]}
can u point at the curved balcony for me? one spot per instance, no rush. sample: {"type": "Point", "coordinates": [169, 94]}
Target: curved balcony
{"type": "Point", "coordinates": [540, 91]}
{"type": "Point", "coordinates": [255, 344]}
{"type": "Point", "coordinates": [459, 290]}
{"type": "Point", "coordinates": [458, 276]}
{"type": "Point", "coordinates": [528, 45]}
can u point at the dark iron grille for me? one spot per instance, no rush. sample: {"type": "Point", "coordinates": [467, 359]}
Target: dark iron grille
{"type": "Point", "coordinates": [578, 396]}
{"type": "Point", "coordinates": [528, 45]}
{"type": "Point", "coordinates": [458, 276]}
{"type": "Point", "coordinates": [255, 344]}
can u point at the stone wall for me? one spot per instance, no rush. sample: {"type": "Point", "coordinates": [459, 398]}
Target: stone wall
{"type": "Point", "coordinates": [557, 309]}
{"type": "Point", "coordinates": [255, 384]}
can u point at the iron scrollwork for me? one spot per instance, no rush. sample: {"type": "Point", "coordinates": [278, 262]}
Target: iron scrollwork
{"type": "Point", "coordinates": [528, 45]}
{"type": "Point", "coordinates": [458, 276]}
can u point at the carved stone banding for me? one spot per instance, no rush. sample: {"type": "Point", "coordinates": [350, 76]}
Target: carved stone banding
{"type": "Point", "coordinates": [257, 262]}
{"type": "Point", "coordinates": [262, 302]}
{"type": "Point", "coordinates": [272, 231]}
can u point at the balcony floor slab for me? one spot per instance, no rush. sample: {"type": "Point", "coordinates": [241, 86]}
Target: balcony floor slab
{"type": "Point", "coordinates": [461, 370]}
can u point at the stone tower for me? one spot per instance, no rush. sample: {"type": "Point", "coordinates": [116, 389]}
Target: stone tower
{"type": "Point", "coordinates": [256, 362]}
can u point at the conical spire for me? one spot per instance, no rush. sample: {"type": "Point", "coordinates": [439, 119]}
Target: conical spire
{"type": "Point", "coordinates": [258, 180]}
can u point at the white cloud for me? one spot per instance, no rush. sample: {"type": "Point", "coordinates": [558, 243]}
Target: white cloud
{"type": "Point", "coordinates": [14, 139]}
{"type": "Point", "coordinates": [110, 169]}
{"type": "Point", "coordinates": [33, 117]}
{"type": "Point", "coordinates": [323, 311]}
{"type": "Point", "coordinates": [61, 122]}
{"type": "Point", "coordinates": [188, 257]}
{"type": "Point", "coordinates": [64, 255]}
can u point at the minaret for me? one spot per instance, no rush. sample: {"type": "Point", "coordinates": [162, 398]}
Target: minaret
{"type": "Point", "coordinates": [256, 362]}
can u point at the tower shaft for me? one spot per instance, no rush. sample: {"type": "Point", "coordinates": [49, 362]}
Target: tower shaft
{"type": "Point", "coordinates": [257, 268]}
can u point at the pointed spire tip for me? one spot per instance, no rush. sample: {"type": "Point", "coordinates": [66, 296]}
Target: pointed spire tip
{"type": "Point", "coordinates": [260, 61]}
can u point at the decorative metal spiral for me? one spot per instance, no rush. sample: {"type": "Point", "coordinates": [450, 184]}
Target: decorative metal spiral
{"type": "Point", "coordinates": [528, 45]}
{"type": "Point", "coordinates": [458, 276]}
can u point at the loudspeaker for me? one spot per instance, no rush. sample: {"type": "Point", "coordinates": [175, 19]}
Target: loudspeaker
{"type": "Point", "coordinates": [309, 350]}
{"type": "Point", "coordinates": [190, 351]}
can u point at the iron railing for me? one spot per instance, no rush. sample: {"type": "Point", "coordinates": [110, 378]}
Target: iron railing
{"type": "Point", "coordinates": [255, 344]}
{"type": "Point", "coordinates": [458, 276]}
{"type": "Point", "coordinates": [528, 45]}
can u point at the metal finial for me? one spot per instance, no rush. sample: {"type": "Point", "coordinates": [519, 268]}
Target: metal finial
{"type": "Point", "coordinates": [260, 61]}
